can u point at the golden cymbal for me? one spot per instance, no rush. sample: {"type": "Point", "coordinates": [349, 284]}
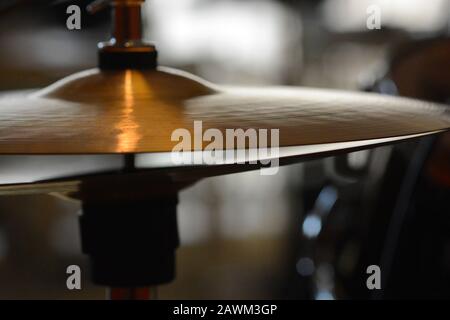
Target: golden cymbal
{"type": "Point", "coordinates": [87, 123]}
{"type": "Point", "coordinates": [133, 111]}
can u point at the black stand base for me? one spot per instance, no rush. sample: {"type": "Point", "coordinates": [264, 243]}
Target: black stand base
{"type": "Point", "coordinates": [131, 243]}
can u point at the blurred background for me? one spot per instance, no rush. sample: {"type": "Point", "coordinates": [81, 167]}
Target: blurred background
{"type": "Point", "coordinates": [309, 232]}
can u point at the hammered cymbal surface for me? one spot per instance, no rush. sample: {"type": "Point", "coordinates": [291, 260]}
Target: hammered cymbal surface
{"type": "Point", "coordinates": [108, 112]}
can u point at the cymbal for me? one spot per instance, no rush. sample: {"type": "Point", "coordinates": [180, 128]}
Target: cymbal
{"type": "Point", "coordinates": [87, 123]}
{"type": "Point", "coordinates": [132, 111]}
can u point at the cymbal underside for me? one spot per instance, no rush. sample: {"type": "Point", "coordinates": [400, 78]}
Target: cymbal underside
{"type": "Point", "coordinates": [37, 174]}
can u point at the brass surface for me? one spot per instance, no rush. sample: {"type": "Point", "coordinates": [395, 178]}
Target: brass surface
{"type": "Point", "coordinates": [131, 111]}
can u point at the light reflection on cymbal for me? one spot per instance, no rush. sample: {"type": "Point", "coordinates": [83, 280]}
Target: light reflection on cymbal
{"type": "Point", "coordinates": [127, 126]}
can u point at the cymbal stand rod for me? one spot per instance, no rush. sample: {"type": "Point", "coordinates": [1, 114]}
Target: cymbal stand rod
{"type": "Point", "coordinates": [127, 21]}
{"type": "Point", "coordinates": [134, 293]}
